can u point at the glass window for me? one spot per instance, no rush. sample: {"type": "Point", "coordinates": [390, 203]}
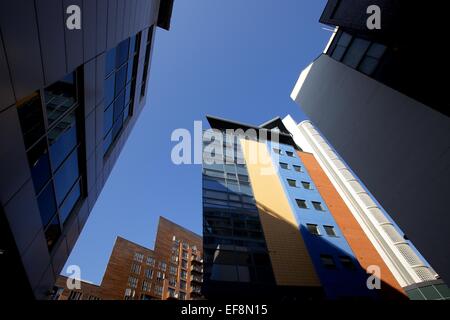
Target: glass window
{"type": "Point", "coordinates": [284, 165]}
{"type": "Point", "coordinates": [66, 176]}
{"type": "Point", "coordinates": [53, 232]}
{"type": "Point", "coordinates": [355, 52]}
{"type": "Point", "coordinates": [39, 164]}
{"type": "Point", "coordinates": [138, 257]}
{"type": "Point", "coordinates": [110, 61]}
{"type": "Point", "coordinates": [327, 261]}
{"type": "Point", "coordinates": [347, 262]}
{"type": "Point", "coordinates": [47, 205]}
{"type": "Point", "coordinates": [183, 285]}
{"type": "Point", "coordinates": [330, 231]}
{"type": "Point", "coordinates": [31, 119]}
{"type": "Point", "coordinates": [292, 183]}
{"type": "Point", "coordinates": [130, 70]}
{"type": "Point", "coordinates": [117, 126]}
{"type": "Point", "coordinates": [306, 185]}
{"type": "Point", "coordinates": [150, 261]}
{"type": "Point", "coordinates": [62, 139]}
{"type": "Point", "coordinates": [313, 229]}
{"type": "Point", "coordinates": [118, 106]}
{"type": "Point", "coordinates": [301, 203]}
{"type": "Point", "coordinates": [69, 202]}
{"type": "Point", "coordinates": [297, 168]}
{"type": "Point", "coordinates": [317, 205]}
{"type": "Point", "coordinates": [148, 273]}
{"type": "Point", "coordinates": [122, 53]}
{"type": "Point", "coordinates": [60, 97]}
{"type": "Point", "coordinates": [108, 119]}
{"type": "Point", "coordinates": [277, 151]}
{"type": "Point", "coordinates": [121, 77]}
{"type": "Point", "coordinates": [289, 153]}
{"type": "Point", "coordinates": [109, 90]}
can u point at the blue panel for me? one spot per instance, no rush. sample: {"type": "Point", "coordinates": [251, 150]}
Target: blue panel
{"type": "Point", "coordinates": [66, 176]}
{"type": "Point", "coordinates": [337, 282]}
{"type": "Point", "coordinates": [62, 140]}
{"type": "Point", "coordinates": [69, 203]}
{"type": "Point", "coordinates": [47, 205]}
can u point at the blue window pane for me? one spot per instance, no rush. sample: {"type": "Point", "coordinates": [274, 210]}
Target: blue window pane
{"type": "Point", "coordinates": [39, 164]}
{"type": "Point", "coordinates": [130, 70]}
{"type": "Point", "coordinates": [66, 176]}
{"type": "Point", "coordinates": [132, 46]}
{"type": "Point", "coordinates": [122, 53]}
{"type": "Point", "coordinates": [107, 120]}
{"type": "Point", "coordinates": [117, 126]}
{"type": "Point", "coordinates": [107, 142]}
{"type": "Point", "coordinates": [355, 52]}
{"type": "Point", "coordinates": [46, 202]}
{"type": "Point", "coordinates": [118, 106]}
{"type": "Point", "coordinates": [109, 90]}
{"type": "Point", "coordinates": [120, 79]}
{"type": "Point", "coordinates": [128, 93]}
{"type": "Point", "coordinates": [69, 203]}
{"type": "Point", "coordinates": [53, 233]}
{"type": "Point", "coordinates": [126, 113]}
{"type": "Point", "coordinates": [31, 119]}
{"type": "Point", "coordinates": [62, 140]}
{"type": "Point", "coordinates": [59, 97]}
{"type": "Point", "coordinates": [110, 61]}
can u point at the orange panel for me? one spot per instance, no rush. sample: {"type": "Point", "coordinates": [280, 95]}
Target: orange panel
{"type": "Point", "coordinates": [364, 251]}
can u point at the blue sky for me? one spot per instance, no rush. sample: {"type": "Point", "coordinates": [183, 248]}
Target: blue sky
{"type": "Point", "coordinates": [237, 59]}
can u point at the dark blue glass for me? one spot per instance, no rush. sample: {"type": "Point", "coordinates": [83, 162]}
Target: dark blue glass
{"type": "Point", "coordinates": [128, 93]}
{"type": "Point", "coordinates": [119, 104]}
{"type": "Point", "coordinates": [31, 119]}
{"type": "Point", "coordinates": [110, 61]}
{"type": "Point", "coordinates": [130, 70]}
{"type": "Point", "coordinates": [117, 127]}
{"type": "Point", "coordinates": [69, 203]}
{"type": "Point", "coordinates": [109, 90]}
{"type": "Point", "coordinates": [107, 142]}
{"type": "Point", "coordinates": [122, 53]}
{"type": "Point", "coordinates": [47, 205]}
{"type": "Point", "coordinates": [120, 79]}
{"type": "Point", "coordinates": [107, 120]}
{"type": "Point", "coordinates": [62, 140]}
{"type": "Point", "coordinates": [132, 46]}
{"type": "Point", "coordinates": [126, 113]}
{"type": "Point", "coordinates": [39, 165]}
{"type": "Point", "coordinates": [52, 233]}
{"type": "Point", "coordinates": [66, 176]}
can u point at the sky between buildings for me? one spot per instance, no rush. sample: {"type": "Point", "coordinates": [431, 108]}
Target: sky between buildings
{"type": "Point", "coordinates": [236, 59]}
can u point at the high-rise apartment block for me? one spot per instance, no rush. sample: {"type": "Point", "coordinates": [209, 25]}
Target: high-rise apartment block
{"type": "Point", "coordinates": [172, 270]}
{"type": "Point", "coordinates": [69, 98]}
{"type": "Point", "coordinates": [285, 218]}
{"type": "Point", "coordinates": [378, 97]}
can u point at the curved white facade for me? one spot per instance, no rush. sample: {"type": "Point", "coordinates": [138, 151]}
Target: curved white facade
{"type": "Point", "coordinates": [407, 267]}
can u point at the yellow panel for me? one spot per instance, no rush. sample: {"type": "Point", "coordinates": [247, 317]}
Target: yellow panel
{"type": "Point", "coordinates": [291, 263]}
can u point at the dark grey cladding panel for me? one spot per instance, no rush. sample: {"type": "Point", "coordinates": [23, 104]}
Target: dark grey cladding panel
{"type": "Point", "coordinates": [36, 260]}
{"type": "Point", "coordinates": [127, 18]}
{"type": "Point", "coordinates": [23, 216]}
{"type": "Point", "coordinates": [99, 78]}
{"type": "Point", "coordinates": [71, 233]}
{"type": "Point", "coordinates": [120, 20]}
{"type": "Point", "coordinates": [111, 25]}
{"type": "Point", "coordinates": [21, 43]}
{"type": "Point", "coordinates": [89, 130]}
{"type": "Point", "coordinates": [14, 170]}
{"type": "Point", "coordinates": [99, 125]}
{"type": "Point", "coordinates": [102, 19]}
{"type": "Point", "coordinates": [51, 35]}
{"type": "Point", "coordinates": [89, 21]}
{"type": "Point", "coordinates": [59, 256]}
{"type": "Point", "coordinates": [83, 215]}
{"type": "Point", "coordinates": [91, 176]}
{"type": "Point", "coordinates": [6, 91]}
{"type": "Point", "coordinates": [74, 39]}
{"type": "Point", "coordinates": [89, 87]}
{"type": "Point", "coordinates": [41, 291]}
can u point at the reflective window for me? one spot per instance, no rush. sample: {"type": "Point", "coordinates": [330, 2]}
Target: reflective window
{"type": "Point", "coordinates": [62, 139]}
{"type": "Point", "coordinates": [47, 204]}
{"type": "Point", "coordinates": [109, 90]}
{"type": "Point", "coordinates": [70, 202]}
{"type": "Point", "coordinates": [53, 232]}
{"type": "Point", "coordinates": [110, 61]}
{"type": "Point", "coordinates": [39, 164]}
{"type": "Point", "coordinates": [317, 205]}
{"type": "Point", "coordinates": [60, 97]}
{"type": "Point", "coordinates": [122, 53]}
{"type": "Point", "coordinates": [301, 204]}
{"type": "Point", "coordinates": [66, 176]}
{"type": "Point", "coordinates": [31, 119]}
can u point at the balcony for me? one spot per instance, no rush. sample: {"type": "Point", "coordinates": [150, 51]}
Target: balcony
{"type": "Point", "coordinates": [195, 268]}
{"type": "Point", "coordinates": [196, 291]}
{"type": "Point", "coordinates": [195, 278]}
{"type": "Point", "coordinates": [197, 260]}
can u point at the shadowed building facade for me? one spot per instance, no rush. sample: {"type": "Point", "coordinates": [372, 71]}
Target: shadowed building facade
{"type": "Point", "coordinates": [275, 226]}
{"type": "Point", "coordinates": [68, 101]}
{"type": "Point", "coordinates": [377, 97]}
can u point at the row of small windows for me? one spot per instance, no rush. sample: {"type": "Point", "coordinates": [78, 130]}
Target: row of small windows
{"type": "Point", "coordinates": [48, 120]}
{"type": "Point", "coordinates": [302, 204]}
{"type": "Point", "coordinates": [356, 52]}
{"type": "Point", "coordinates": [286, 166]}
{"type": "Point", "coordinates": [305, 184]}
{"type": "Point", "coordinates": [328, 261]}
{"type": "Point", "coordinates": [314, 229]}
{"type": "Point", "coordinates": [281, 152]}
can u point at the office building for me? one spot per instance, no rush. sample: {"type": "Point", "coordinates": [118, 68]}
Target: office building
{"type": "Point", "coordinates": [68, 101]}
{"type": "Point", "coordinates": [276, 225]}
{"type": "Point", "coordinates": [377, 97]}
{"type": "Point", "coordinates": [172, 270]}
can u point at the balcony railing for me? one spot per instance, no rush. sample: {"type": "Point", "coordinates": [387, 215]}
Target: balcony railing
{"type": "Point", "coordinates": [196, 279]}
{"type": "Point", "coordinates": [195, 268]}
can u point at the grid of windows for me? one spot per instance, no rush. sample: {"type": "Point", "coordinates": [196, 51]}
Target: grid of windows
{"type": "Point", "coordinates": [120, 73]}
{"type": "Point", "coordinates": [356, 52]}
{"type": "Point", "coordinates": [48, 120]}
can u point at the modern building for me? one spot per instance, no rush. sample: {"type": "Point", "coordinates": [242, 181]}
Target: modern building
{"type": "Point", "coordinates": [68, 101]}
{"type": "Point", "coordinates": [377, 97]}
{"type": "Point", "coordinates": [173, 270]}
{"type": "Point", "coordinates": [279, 224]}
